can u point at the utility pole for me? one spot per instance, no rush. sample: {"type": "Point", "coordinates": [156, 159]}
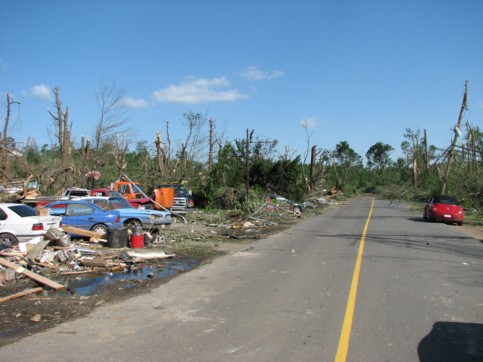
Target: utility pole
{"type": "Point", "coordinates": [457, 133]}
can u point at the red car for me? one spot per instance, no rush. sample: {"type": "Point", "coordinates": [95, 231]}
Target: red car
{"type": "Point", "coordinates": [444, 208]}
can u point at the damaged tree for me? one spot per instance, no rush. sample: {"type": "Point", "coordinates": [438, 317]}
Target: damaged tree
{"type": "Point", "coordinates": [457, 133]}
{"type": "Point", "coordinates": [63, 133]}
{"type": "Point", "coordinates": [5, 143]}
{"type": "Point", "coordinates": [108, 129]}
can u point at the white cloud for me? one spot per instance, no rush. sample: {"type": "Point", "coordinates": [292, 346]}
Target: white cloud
{"type": "Point", "coordinates": [134, 103]}
{"type": "Point", "coordinates": [309, 122]}
{"type": "Point", "coordinates": [255, 74]}
{"type": "Point", "coordinates": [41, 91]}
{"type": "Point", "coordinates": [198, 90]}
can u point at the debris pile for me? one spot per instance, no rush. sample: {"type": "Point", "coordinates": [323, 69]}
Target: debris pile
{"type": "Point", "coordinates": [46, 260]}
{"type": "Point", "coordinates": [56, 255]}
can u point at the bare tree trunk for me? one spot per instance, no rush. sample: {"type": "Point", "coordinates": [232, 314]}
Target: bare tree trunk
{"type": "Point", "coordinates": [61, 121]}
{"type": "Point", "coordinates": [211, 144]}
{"type": "Point", "coordinates": [415, 141]}
{"type": "Point", "coordinates": [120, 151]}
{"type": "Point", "coordinates": [183, 155]}
{"type": "Point", "coordinates": [426, 155]}
{"type": "Point", "coordinates": [168, 146]}
{"type": "Point", "coordinates": [4, 154]}
{"type": "Point", "coordinates": [109, 125]}
{"type": "Point", "coordinates": [457, 131]}
{"type": "Point", "coordinates": [313, 155]}
{"type": "Point", "coordinates": [160, 157]}
{"type": "Point", "coordinates": [85, 153]}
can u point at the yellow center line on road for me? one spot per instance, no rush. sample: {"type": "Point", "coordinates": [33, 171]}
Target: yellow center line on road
{"type": "Point", "coordinates": [345, 334]}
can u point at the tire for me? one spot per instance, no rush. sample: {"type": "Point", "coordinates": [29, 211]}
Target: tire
{"type": "Point", "coordinates": [8, 239]}
{"type": "Point", "coordinates": [99, 228]}
{"type": "Point", "coordinates": [460, 223]}
{"type": "Point", "coordinates": [132, 224]}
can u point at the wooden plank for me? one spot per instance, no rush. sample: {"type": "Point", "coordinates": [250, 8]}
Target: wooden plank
{"type": "Point", "coordinates": [94, 237]}
{"type": "Point", "coordinates": [79, 272]}
{"type": "Point", "coordinates": [34, 276]}
{"type": "Point", "coordinates": [96, 263]}
{"type": "Point", "coordinates": [50, 266]}
{"type": "Point", "coordinates": [37, 249]}
{"type": "Point", "coordinates": [21, 294]}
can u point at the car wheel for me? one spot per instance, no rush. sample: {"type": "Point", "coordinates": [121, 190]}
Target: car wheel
{"type": "Point", "coordinates": [99, 228]}
{"type": "Point", "coordinates": [425, 215]}
{"type": "Point", "coordinates": [460, 223]}
{"type": "Point", "coordinates": [132, 225]}
{"type": "Point", "coordinates": [8, 239]}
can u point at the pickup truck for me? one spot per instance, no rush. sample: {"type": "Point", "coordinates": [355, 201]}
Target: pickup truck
{"type": "Point", "coordinates": [70, 193]}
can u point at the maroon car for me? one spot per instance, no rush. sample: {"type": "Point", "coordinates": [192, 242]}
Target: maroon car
{"type": "Point", "coordinates": [444, 208]}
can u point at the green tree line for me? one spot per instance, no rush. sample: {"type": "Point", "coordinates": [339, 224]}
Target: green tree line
{"type": "Point", "coordinates": [239, 173]}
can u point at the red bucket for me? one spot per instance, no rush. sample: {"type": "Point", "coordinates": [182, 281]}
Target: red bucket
{"type": "Point", "coordinates": [137, 241]}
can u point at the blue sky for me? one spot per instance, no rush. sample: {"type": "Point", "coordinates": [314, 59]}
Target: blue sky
{"type": "Point", "coordinates": [356, 71]}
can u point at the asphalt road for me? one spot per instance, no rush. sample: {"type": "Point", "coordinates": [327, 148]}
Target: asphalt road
{"type": "Point", "coordinates": [339, 286]}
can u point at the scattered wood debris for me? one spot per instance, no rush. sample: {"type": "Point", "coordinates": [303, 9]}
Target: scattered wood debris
{"type": "Point", "coordinates": [58, 255]}
{"type": "Point", "coordinates": [34, 276]}
{"type": "Point", "coordinates": [21, 294]}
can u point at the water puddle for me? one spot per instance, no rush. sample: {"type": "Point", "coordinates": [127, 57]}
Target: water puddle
{"type": "Point", "coordinates": [87, 285]}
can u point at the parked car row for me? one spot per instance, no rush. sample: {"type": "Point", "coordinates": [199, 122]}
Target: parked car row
{"type": "Point", "coordinates": [100, 213]}
{"type": "Point", "coordinates": [19, 222]}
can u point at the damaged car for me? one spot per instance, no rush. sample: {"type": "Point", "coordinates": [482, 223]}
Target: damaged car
{"type": "Point", "coordinates": [20, 223]}
{"type": "Point", "coordinates": [131, 217]}
{"type": "Point", "coordinates": [84, 215]}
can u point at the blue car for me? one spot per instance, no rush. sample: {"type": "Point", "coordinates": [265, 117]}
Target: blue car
{"type": "Point", "coordinates": [84, 215]}
{"type": "Point", "coordinates": [148, 219]}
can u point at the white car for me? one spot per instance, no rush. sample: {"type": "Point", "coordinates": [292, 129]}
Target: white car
{"type": "Point", "coordinates": [19, 222]}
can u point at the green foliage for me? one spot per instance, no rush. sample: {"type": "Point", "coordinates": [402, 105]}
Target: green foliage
{"type": "Point", "coordinates": [378, 156]}
{"type": "Point", "coordinates": [285, 179]}
{"type": "Point", "coordinates": [224, 183]}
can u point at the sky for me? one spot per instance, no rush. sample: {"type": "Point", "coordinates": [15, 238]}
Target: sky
{"type": "Point", "coordinates": [301, 72]}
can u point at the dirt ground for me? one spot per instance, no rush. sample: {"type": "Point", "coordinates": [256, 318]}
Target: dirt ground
{"type": "Point", "coordinates": [199, 240]}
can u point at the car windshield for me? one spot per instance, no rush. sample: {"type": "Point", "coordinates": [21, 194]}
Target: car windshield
{"type": "Point", "coordinates": [23, 210]}
{"type": "Point", "coordinates": [102, 203]}
{"type": "Point", "coordinates": [178, 189]}
{"type": "Point", "coordinates": [137, 188]}
{"type": "Point", "coordinates": [113, 193]}
{"type": "Point", "coordinates": [445, 200]}
{"type": "Point", "coordinates": [119, 203]}
{"type": "Point", "coordinates": [79, 193]}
